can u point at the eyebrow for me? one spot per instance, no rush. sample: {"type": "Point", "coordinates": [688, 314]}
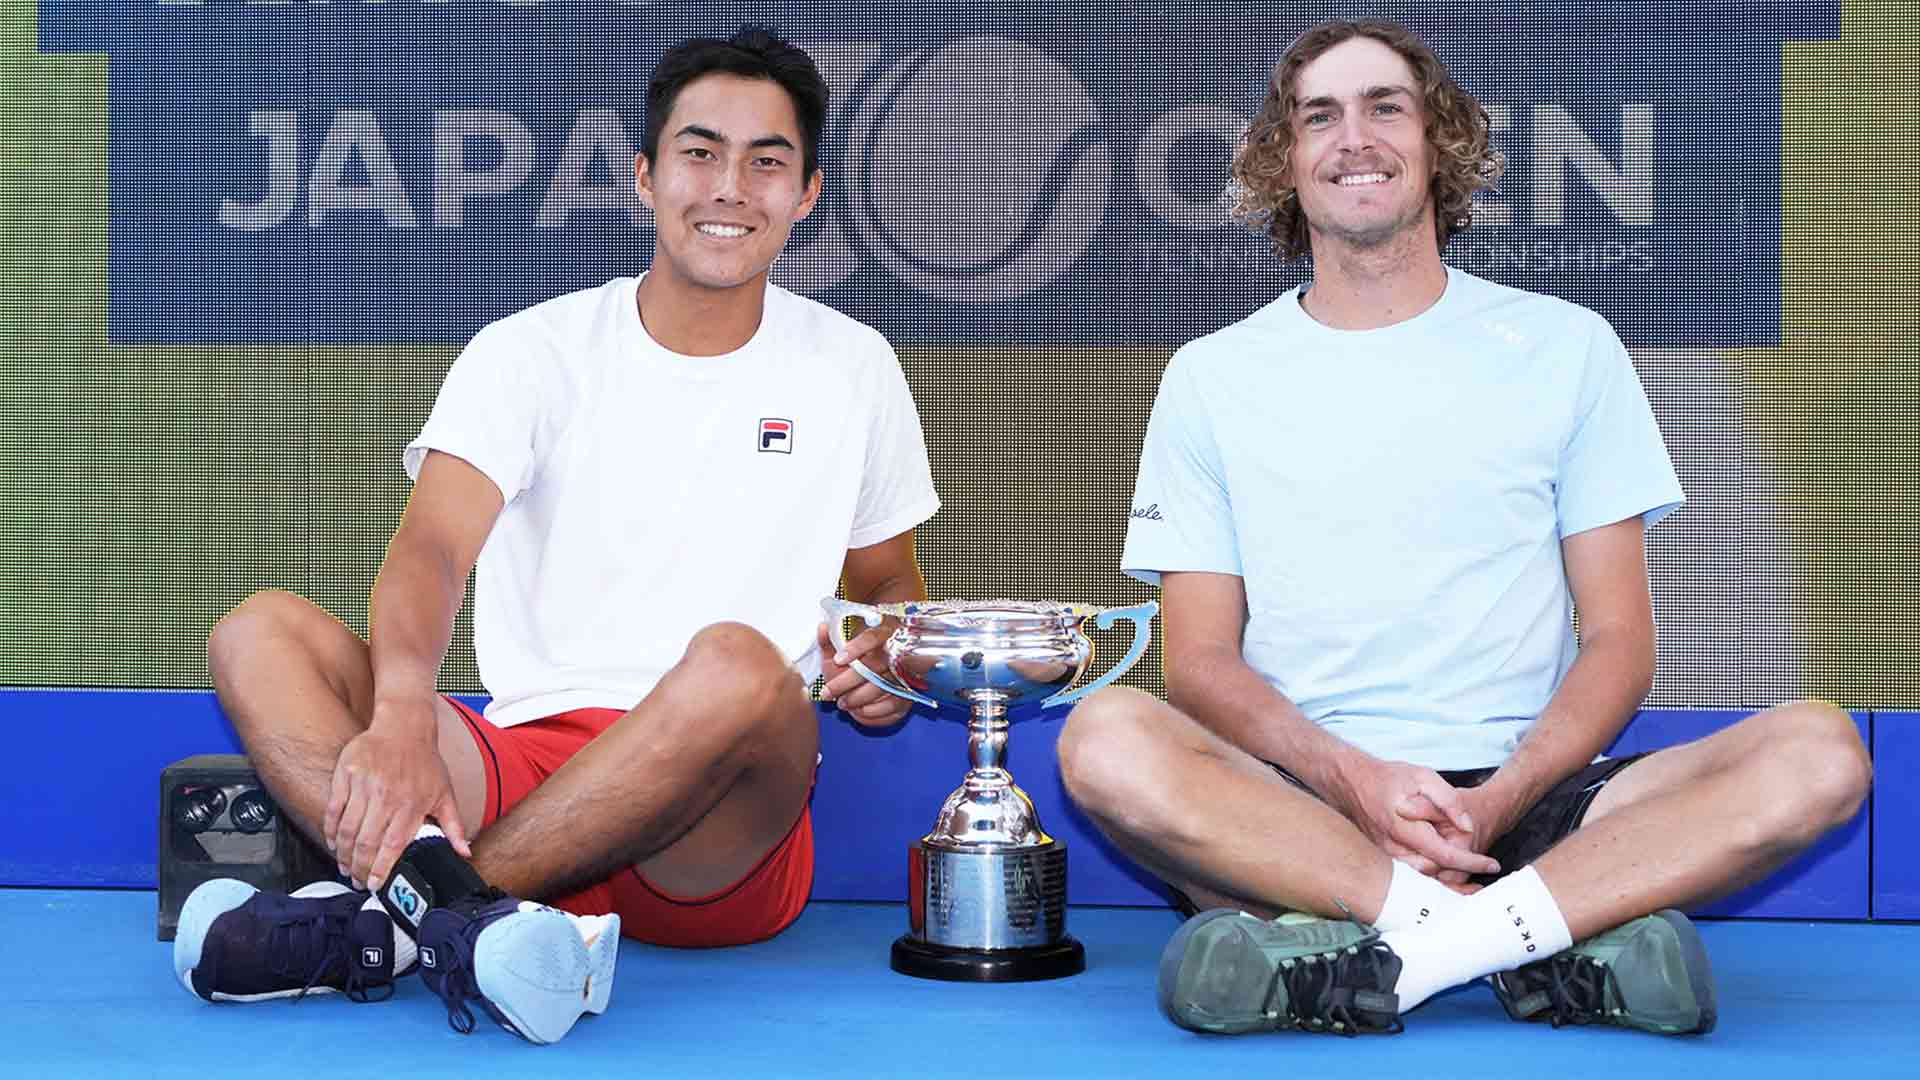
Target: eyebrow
{"type": "Point", "coordinates": [699, 132]}
{"type": "Point", "coordinates": [1370, 93]}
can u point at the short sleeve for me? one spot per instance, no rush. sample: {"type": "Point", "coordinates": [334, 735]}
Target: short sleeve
{"type": "Point", "coordinates": [1614, 464]}
{"type": "Point", "coordinates": [1182, 514]}
{"type": "Point", "coordinates": [487, 411]}
{"type": "Point", "coordinates": [896, 488]}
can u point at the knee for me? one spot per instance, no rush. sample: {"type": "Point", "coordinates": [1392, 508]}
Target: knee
{"type": "Point", "coordinates": [734, 647]}
{"type": "Point", "coordinates": [1106, 747]}
{"type": "Point", "coordinates": [735, 659]}
{"type": "Point", "coordinates": [257, 620]}
{"type": "Point", "coordinates": [1822, 772]}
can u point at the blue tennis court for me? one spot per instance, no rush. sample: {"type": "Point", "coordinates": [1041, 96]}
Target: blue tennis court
{"type": "Point", "coordinates": [87, 992]}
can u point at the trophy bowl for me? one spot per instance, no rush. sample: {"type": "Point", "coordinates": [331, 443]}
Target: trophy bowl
{"type": "Point", "coordinates": [987, 887]}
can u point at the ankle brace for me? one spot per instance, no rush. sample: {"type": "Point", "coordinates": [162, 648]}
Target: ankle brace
{"type": "Point", "coordinates": [429, 875]}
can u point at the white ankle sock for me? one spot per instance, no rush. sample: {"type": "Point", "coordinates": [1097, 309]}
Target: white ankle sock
{"type": "Point", "coordinates": [1414, 899]}
{"type": "Point", "coordinates": [1512, 922]}
{"type": "Point", "coordinates": [589, 926]}
{"type": "Point", "coordinates": [404, 949]}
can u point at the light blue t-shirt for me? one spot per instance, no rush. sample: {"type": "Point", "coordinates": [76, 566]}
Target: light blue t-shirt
{"type": "Point", "coordinates": [1394, 500]}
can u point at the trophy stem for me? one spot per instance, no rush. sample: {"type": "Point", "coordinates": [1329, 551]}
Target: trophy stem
{"type": "Point", "coordinates": [987, 737]}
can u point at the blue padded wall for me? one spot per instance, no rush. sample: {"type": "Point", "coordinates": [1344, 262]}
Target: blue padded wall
{"type": "Point", "coordinates": [1896, 815]}
{"type": "Point", "coordinates": [84, 790]}
{"type": "Point", "coordinates": [85, 787]}
{"type": "Point", "coordinates": [871, 823]}
{"type": "Point", "coordinates": [879, 792]}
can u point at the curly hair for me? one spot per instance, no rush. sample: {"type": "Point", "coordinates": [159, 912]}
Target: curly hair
{"type": "Point", "coordinates": [1261, 188]}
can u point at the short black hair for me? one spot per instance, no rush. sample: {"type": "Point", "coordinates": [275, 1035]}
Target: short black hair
{"type": "Point", "coordinates": [753, 53]}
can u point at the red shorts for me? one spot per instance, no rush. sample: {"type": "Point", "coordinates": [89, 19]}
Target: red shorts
{"type": "Point", "coordinates": [761, 904]}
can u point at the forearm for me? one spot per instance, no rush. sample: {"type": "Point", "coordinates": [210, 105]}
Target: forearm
{"type": "Point", "coordinates": [1605, 686]}
{"type": "Point", "coordinates": [884, 573]}
{"type": "Point", "coordinates": [905, 585]}
{"type": "Point", "coordinates": [410, 622]}
{"type": "Point", "coordinates": [1217, 688]}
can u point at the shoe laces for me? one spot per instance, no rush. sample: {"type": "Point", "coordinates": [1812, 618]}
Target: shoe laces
{"type": "Point", "coordinates": [325, 937]}
{"type": "Point", "coordinates": [1576, 989]}
{"type": "Point", "coordinates": [1326, 981]}
{"type": "Point", "coordinates": [1322, 991]}
{"type": "Point", "coordinates": [457, 981]}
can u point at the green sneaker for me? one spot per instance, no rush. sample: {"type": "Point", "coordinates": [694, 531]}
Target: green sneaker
{"type": "Point", "coordinates": [1229, 973]}
{"type": "Point", "coordinates": [1650, 974]}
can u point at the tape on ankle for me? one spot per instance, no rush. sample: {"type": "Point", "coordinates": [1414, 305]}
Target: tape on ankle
{"type": "Point", "coordinates": [407, 895]}
{"type": "Point", "coordinates": [448, 875]}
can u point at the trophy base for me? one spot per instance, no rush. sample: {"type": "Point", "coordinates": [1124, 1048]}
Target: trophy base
{"type": "Point", "coordinates": [923, 960]}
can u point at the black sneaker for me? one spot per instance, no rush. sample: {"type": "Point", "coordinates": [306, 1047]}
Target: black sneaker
{"type": "Point", "coordinates": [1229, 973]}
{"type": "Point", "coordinates": [1650, 974]}
{"type": "Point", "coordinates": [236, 943]}
{"type": "Point", "coordinates": [532, 968]}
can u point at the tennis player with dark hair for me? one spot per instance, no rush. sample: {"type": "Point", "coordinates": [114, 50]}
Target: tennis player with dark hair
{"type": "Point", "coordinates": [653, 483]}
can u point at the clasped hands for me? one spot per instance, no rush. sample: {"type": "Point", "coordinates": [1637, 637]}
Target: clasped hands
{"type": "Point", "coordinates": [1414, 815]}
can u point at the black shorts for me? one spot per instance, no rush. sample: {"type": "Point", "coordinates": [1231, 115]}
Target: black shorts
{"type": "Point", "coordinates": [1545, 823]}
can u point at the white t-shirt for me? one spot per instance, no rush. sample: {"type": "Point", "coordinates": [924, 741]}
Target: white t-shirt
{"type": "Point", "coordinates": [650, 494]}
{"type": "Point", "coordinates": [1394, 501]}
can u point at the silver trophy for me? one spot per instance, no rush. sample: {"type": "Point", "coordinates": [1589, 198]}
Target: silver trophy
{"type": "Point", "coordinates": [987, 889]}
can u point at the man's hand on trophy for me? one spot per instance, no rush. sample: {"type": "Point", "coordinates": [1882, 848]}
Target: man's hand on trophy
{"type": "Point", "coordinates": [866, 703]}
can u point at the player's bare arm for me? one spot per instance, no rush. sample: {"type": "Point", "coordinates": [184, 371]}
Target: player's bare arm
{"type": "Point", "coordinates": [1208, 679]}
{"type": "Point", "coordinates": [390, 779]}
{"type": "Point", "coordinates": [1607, 574]}
{"type": "Point", "coordinates": [880, 573]}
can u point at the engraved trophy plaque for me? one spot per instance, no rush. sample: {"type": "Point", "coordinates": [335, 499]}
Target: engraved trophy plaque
{"type": "Point", "coordinates": [987, 888]}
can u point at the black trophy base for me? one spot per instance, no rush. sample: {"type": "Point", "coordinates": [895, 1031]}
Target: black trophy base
{"type": "Point", "coordinates": [923, 960]}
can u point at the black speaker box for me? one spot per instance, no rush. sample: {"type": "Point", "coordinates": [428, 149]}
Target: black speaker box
{"type": "Point", "coordinates": [217, 821]}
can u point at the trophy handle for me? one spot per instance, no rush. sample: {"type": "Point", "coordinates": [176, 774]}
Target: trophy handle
{"type": "Point", "coordinates": [837, 611]}
{"type": "Point", "coordinates": [1142, 616]}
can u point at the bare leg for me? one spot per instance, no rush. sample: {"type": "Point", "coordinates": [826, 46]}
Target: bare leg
{"type": "Point", "coordinates": [297, 686]}
{"type": "Point", "coordinates": [1699, 821]}
{"type": "Point", "coordinates": [1211, 819]}
{"type": "Point", "coordinates": [1674, 829]}
{"type": "Point", "coordinates": [720, 755]}
{"type": "Point", "coordinates": [694, 785]}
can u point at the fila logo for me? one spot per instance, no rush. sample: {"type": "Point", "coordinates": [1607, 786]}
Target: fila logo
{"type": "Point", "coordinates": [426, 956]}
{"type": "Point", "coordinates": [776, 435]}
{"type": "Point", "coordinates": [406, 899]}
{"type": "Point", "coordinates": [372, 956]}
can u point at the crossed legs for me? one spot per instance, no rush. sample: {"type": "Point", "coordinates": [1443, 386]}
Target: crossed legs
{"type": "Point", "coordinates": [693, 786]}
{"type": "Point", "coordinates": [1677, 828]}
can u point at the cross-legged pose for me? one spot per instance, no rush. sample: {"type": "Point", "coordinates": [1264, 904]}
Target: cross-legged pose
{"type": "Point", "coordinates": [653, 483]}
{"type": "Point", "coordinates": [1370, 508]}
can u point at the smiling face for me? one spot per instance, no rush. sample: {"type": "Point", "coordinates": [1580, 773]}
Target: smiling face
{"type": "Point", "coordinates": [1361, 162]}
{"type": "Point", "coordinates": [726, 184]}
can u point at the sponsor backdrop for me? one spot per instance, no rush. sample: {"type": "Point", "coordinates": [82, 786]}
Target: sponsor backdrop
{"type": "Point", "coordinates": [240, 242]}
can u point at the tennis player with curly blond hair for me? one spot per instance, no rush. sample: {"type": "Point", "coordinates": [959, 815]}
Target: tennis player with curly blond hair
{"type": "Point", "coordinates": [1371, 508]}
